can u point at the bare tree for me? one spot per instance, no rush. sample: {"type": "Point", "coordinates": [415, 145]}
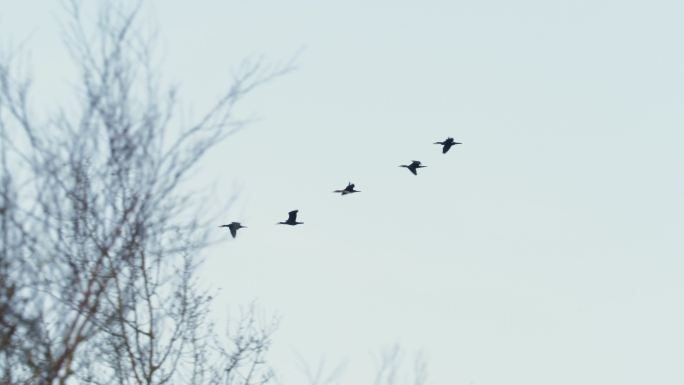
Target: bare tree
{"type": "Point", "coordinates": [99, 240]}
{"type": "Point", "coordinates": [321, 375]}
{"type": "Point", "coordinates": [389, 369]}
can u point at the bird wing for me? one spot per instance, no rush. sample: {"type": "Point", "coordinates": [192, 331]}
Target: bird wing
{"type": "Point", "coordinates": [292, 216]}
{"type": "Point", "coordinates": [413, 170]}
{"type": "Point", "coordinates": [445, 149]}
{"type": "Point", "coordinates": [233, 231]}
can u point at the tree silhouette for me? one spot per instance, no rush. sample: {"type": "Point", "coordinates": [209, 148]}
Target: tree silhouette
{"type": "Point", "coordinates": [99, 238]}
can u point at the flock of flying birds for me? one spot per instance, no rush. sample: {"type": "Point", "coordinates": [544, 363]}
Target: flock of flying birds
{"type": "Point", "coordinates": [292, 215]}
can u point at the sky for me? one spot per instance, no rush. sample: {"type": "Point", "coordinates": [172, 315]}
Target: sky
{"type": "Point", "coordinates": [544, 250]}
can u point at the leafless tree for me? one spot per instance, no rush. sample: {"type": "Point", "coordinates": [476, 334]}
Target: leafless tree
{"type": "Point", "coordinates": [321, 375]}
{"type": "Point", "coordinates": [99, 240]}
{"type": "Point", "coordinates": [389, 369]}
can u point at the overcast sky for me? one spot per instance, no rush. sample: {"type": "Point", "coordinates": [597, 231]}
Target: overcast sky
{"type": "Point", "coordinates": [547, 249]}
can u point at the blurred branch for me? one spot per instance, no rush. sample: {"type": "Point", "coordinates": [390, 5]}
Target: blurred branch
{"type": "Point", "coordinates": [390, 370]}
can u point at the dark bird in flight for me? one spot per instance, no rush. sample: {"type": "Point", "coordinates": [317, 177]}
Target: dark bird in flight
{"type": "Point", "coordinates": [291, 219]}
{"type": "Point", "coordinates": [347, 190]}
{"type": "Point", "coordinates": [446, 145]}
{"type": "Point", "coordinates": [413, 167]}
{"type": "Point", "coordinates": [233, 227]}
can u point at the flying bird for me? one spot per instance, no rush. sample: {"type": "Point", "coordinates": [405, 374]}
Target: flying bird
{"type": "Point", "coordinates": [291, 219]}
{"type": "Point", "coordinates": [446, 145]}
{"type": "Point", "coordinates": [413, 167]}
{"type": "Point", "coordinates": [233, 227]}
{"type": "Point", "coordinates": [347, 190]}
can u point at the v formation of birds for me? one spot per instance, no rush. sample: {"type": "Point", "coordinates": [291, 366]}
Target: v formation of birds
{"type": "Point", "coordinates": [350, 189]}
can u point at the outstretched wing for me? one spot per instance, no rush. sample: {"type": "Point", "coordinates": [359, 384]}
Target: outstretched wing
{"type": "Point", "coordinates": [233, 231]}
{"type": "Point", "coordinates": [446, 148]}
{"type": "Point", "coordinates": [292, 216]}
{"type": "Point", "coordinates": [413, 170]}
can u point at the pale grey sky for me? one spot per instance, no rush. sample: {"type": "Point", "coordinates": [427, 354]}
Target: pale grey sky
{"type": "Point", "coordinates": [545, 250]}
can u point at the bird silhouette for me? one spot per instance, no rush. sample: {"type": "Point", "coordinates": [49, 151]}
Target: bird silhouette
{"type": "Point", "coordinates": [233, 227]}
{"type": "Point", "coordinates": [347, 190]}
{"type": "Point", "coordinates": [413, 167]}
{"type": "Point", "coordinates": [446, 145]}
{"type": "Point", "coordinates": [291, 219]}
